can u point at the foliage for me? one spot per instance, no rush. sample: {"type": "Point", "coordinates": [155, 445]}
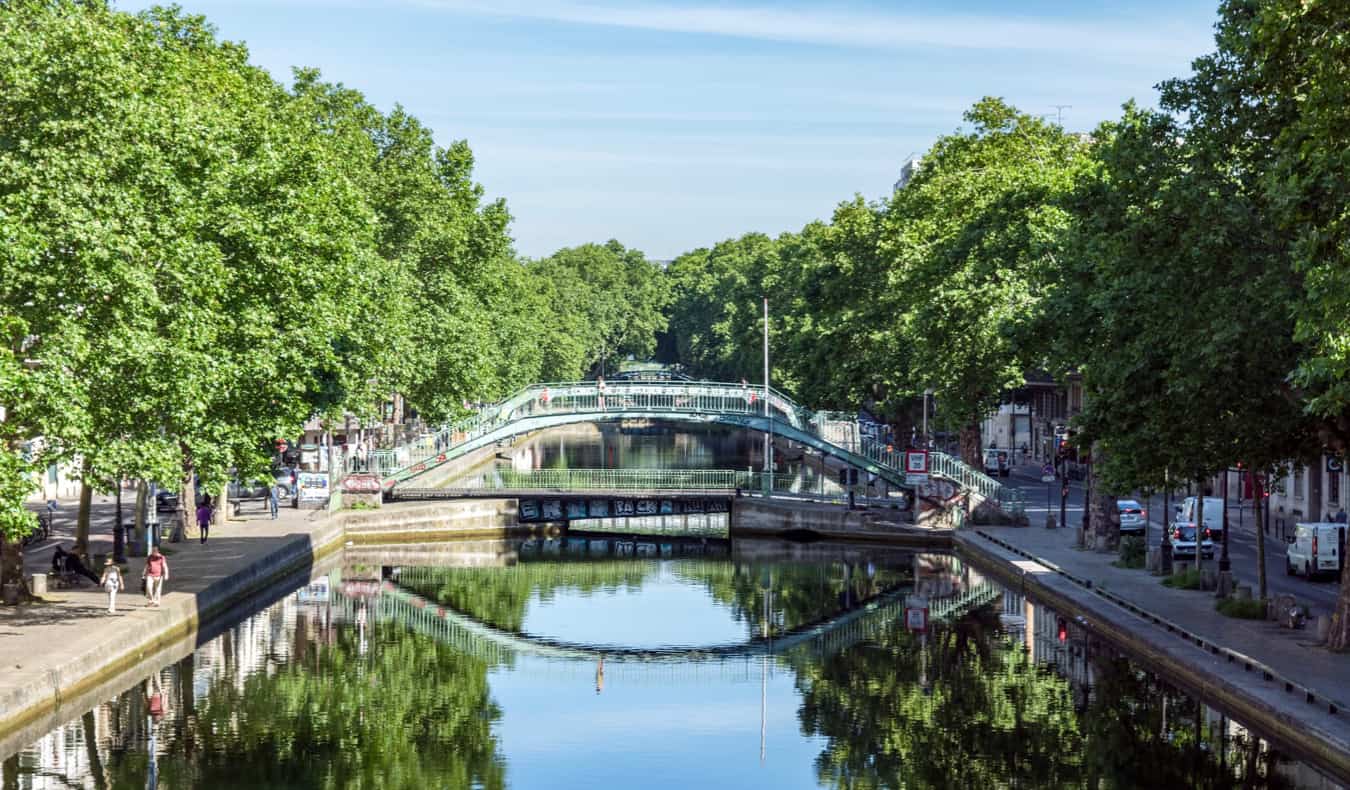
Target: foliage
{"type": "Point", "coordinates": [1186, 580]}
{"type": "Point", "coordinates": [971, 243]}
{"type": "Point", "coordinates": [1244, 608]}
{"type": "Point", "coordinates": [601, 304]}
{"type": "Point", "coordinates": [1132, 552]}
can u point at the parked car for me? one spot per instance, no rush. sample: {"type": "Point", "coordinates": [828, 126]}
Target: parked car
{"type": "Point", "coordinates": [284, 477]}
{"type": "Point", "coordinates": [1315, 548]}
{"type": "Point", "coordinates": [1213, 514]}
{"type": "Point", "coordinates": [257, 491]}
{"type": "Point", "coordinates": [166, 500]}
{"type": "Point", "coordinates": [997, 463]}
{"type": "Point", "coordinates": [1133, 517]}
{"type": "Point", "coordinates": [1184, 540]}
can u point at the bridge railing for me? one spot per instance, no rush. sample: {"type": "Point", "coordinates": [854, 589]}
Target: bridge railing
{"type": "Point", "coordinates": [695, 397]}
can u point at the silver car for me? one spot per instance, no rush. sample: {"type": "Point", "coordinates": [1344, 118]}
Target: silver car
{"type": "Point", "coordinates": [1183, 542]}
{"type": "Point", "coordinates": [1133, 517]}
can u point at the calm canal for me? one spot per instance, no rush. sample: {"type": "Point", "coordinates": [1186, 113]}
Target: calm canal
{"type": "Point", "coordinates": [604, 662]}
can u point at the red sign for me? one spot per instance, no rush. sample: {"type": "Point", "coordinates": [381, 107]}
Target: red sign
{"type": "Point", "coordinates": [361, 484]}
{"type": "Point", "coordinates": [916, 462]}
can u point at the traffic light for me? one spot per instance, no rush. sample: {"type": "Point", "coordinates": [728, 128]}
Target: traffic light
{"type": "Point", "coordinates": [1061, 629]}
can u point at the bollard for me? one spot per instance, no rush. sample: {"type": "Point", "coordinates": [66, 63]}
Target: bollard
{"type": "Point", "coordinates": [38, 584]}
{"type": "Point", "coordinates": [1323, 626]}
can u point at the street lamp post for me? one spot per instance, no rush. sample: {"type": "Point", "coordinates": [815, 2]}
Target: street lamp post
{"type": "Point", "coordinates": [119, 540]}
{"type": "Point", "coordinates": [1166, 536]}
{"type": "Point", "coordinates": [768, 413]}
{"type": "Point", "coordinates": [1224, 565]}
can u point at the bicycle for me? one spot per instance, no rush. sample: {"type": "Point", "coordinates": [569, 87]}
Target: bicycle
{"type": "Point", "coordinates": [43, 531]}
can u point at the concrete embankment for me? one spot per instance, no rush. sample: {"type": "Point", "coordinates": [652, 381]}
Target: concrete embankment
{"type": "Point", "coordinates": [59, 650]}
{"type": "Point", "coordinates": [1301, 721]}
{"type": "Point", "coordinates": [778, 517]}
{"type": "Point", "coordinates": [55, 651]}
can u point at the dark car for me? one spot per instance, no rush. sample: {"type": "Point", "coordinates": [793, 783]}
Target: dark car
{"type": "Point", "coordinates": [166, 500]}
{"type": "Point", "coordinates": [253, 491]}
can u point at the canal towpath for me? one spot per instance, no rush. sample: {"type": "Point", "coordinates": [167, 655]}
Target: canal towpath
{"type": "Point", "coordinates": [1166, 622]}
{"type": "Point", "coordinates": [68, 639]}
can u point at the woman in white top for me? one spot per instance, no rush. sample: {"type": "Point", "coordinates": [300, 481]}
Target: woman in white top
{"type": "Point", "coordinates": [112, 582]}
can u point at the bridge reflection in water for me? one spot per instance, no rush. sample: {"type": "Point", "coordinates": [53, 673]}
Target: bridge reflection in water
{"type": "Point", "coordinates": [409, 595]}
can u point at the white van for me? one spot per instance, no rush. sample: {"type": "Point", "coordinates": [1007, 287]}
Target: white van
{"type": "Point", "coordinates": [1213, 515]}
{"type": "Point", "coordinates": [997, 463]}
{"type": "Point", "coordinates": [1315, 548]}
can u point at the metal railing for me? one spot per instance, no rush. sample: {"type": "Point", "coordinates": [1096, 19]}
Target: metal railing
{"type": "Point", "coordinates": [674, 398]}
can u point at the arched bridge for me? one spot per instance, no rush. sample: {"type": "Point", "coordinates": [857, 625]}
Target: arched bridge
{"type": "Point", "coordinates": [543, 406]}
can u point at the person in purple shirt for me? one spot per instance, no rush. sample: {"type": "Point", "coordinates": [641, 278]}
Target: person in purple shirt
{"type": "Point", "coordinates": [204, 511]}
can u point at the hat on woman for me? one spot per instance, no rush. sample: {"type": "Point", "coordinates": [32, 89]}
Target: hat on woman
{"type": "Point", "coordinates": [108, 561]}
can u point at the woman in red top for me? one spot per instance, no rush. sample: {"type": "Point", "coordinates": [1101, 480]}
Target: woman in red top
{"type": "Point", "coordinates": [155, 574]}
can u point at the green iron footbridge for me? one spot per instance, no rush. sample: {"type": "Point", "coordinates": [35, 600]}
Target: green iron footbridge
{"type": "Point", "coordinates": [543, 406]}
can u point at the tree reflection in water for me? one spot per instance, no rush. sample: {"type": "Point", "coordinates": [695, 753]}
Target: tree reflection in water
{"type": "Point", "coordinates": [409, 712]}
{"type": "Point", "coordinates": [965, 706]}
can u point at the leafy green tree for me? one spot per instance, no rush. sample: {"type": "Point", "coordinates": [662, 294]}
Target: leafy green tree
{"type": "Point", "coordinates": [603, 303]}
{"type": "Point", "coordinates": [972, 242]}
{"type": "Point", "coordinates": [1271, 101]}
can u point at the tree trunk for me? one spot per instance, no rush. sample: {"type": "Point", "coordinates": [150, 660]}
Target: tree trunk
{"type": "Point", "coordinates": [1258, 494]}
{"type": "Point", "coordinates": [1339, 639]}
{"type": "Point", "coordinates": [11, 561]}
{"type": "Point", "coordinates": [971, 451]}
{"type": "Point", "coordinates": [82, 519]}
{"type": "Point", "coordinates": [187, 497]}
{"type": "Point", "coordinates": [1103, 515]}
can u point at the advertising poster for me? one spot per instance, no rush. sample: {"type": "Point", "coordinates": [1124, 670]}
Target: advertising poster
{"type": "Point", "coordinates": [312, 486]}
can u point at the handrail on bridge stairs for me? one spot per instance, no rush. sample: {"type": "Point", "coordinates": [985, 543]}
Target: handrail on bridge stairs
{"type": "Point", "coordinates": [542, 406]}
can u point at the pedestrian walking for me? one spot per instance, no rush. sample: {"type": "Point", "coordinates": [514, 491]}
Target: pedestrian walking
{"type": "Point", "coordinates": [600, 386]}
{"type": "Point", "coordinates": [154, 576]}
{"type": "Point", "coordinates": [112, 582]}
{"type": "Point", "coordinates": [204, 513]}
{"type": "Point", "coordinates": [272, 500]}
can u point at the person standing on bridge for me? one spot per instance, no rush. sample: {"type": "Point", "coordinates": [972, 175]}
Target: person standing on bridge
{"type": "Point", "coordinates": [600, 388]}
{"type": "Point", "coordinates": [543, 398]}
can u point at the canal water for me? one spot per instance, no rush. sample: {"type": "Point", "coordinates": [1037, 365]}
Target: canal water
{"type": "Point", "coordinates": [600, 662]}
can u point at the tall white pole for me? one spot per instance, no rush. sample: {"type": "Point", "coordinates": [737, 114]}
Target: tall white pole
{"type": "Point", "coordinates": [768, 437]}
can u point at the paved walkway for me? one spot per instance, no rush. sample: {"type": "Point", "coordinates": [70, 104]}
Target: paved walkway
{"type": "Point", "coordinates": [1293, 653]}
{"type": "Point", "coordinates": [37, 640]}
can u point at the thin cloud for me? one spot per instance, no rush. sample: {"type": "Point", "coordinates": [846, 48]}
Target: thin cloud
{"type": "Point", "coordinates": [857, 29]}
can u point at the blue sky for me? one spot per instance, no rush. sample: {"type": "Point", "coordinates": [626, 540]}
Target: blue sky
{"type": "Point", "coordinates": [672, 125]}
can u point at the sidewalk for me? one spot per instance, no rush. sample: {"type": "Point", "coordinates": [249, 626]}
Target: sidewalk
{"type": "Point", "coordinates": [69, 637]}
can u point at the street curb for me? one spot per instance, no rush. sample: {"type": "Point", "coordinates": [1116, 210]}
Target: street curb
{"type": "Point", "coordinates": [1315, 743]}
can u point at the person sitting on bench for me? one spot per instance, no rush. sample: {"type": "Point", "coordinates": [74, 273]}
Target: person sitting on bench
{"type": "Point", "coordinates": [66, 563]}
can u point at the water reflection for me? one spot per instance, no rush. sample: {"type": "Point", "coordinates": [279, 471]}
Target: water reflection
{"type": "Point", "coordinates": [335, 686]}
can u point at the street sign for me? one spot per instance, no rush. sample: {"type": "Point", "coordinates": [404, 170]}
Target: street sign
{"type": "Point", "coordinates": [1047, 478]}
{"type": "Point", "coordinates": [912, 479]}
{"type": "Point", "coordinates": [1048, 469]}
{"type": "Point", "coordinates": [916, 613]}
{"type": "Point", "coordinates": [916, 462]}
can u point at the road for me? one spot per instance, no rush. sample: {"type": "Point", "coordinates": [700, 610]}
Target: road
{"type": "Point", "coordinates": [1320, 595]}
